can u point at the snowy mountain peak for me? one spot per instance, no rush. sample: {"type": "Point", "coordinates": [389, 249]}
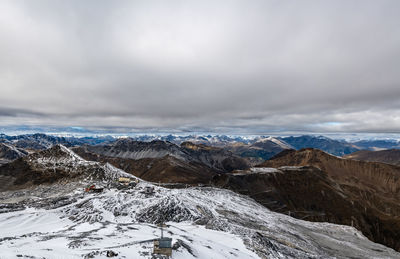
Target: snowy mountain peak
{"type": "Point", "coordinates": [56, 154]}
{"type": "Point", "coordinates": [279, 142]}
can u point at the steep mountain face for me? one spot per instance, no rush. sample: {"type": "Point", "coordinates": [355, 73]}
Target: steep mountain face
{"type": "Point", "coordinates": [50, 166]}
{"type": "Point", "coordinates": [334, 147]}
{"type": "Point", "coordinates": [391, 156]}
{"type": "Point", "coordinates": [9, 153]}
{"type": "Point", "coordinates": [214, 157]}
{"type": "Point", "coordinates": [372, 189]}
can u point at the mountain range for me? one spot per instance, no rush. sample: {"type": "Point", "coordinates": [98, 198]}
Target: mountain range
{"type": "Point", "coordinates": [255, 147]}
{"type": "Point", "coordinates": [45, 212]}
{"type": "Point", "coordinates": [40, 141]}
{"type": "Point", "coordinates": [361, 189]}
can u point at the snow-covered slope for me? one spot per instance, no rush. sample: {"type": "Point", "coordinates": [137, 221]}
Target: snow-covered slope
{"type": "Point", "coordinates": [62, 158]}
{"type": "Point", "coordinates": [203, 222]}
{"type": "Point", "coordinates": [277, 141]}
{"type": "Point", "coordinates": [54, 165]}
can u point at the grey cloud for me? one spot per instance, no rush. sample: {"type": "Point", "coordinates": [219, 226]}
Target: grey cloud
{"type": "Point", "coordinates": [251, 66]}
{"type": "Point", "coordinates": [13, 112]}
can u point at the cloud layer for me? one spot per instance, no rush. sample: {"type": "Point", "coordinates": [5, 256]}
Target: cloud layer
{"type": "Point", "coordinates": [246, 66]}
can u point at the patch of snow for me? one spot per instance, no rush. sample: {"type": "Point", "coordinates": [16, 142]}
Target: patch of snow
{"type": "Point", "coordinates": [264, 170]}
{"type": "Point", "coordinates": [290, 167]}
{"type": "Point", "coordinates": [259, 170]}
{"type": "Point", "coordinates": [71, 154]}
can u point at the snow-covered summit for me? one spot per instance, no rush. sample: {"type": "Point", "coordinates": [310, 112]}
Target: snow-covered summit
{"type": "Point", "coordinates": [274, 140]}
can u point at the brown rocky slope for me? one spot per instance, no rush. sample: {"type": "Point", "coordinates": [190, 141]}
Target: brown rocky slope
{"type": "Point", "coordinates": [368, 192]}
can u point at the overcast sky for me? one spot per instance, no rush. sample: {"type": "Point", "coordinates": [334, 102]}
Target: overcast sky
{"type": "Point", "coordinates": [234, 66]}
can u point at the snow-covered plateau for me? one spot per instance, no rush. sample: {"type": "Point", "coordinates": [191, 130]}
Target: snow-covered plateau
{"type": "Point", "coordinates": [205, 222]}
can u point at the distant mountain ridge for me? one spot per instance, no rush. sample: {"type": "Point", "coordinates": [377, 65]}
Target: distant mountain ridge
{"type": "Point", "coordinates": [254, 148]}
{"type": "Point", "coordinates": [331, 146]}
{"type": "Point", "coordinates": [40, 141]}
{"type": "Point", "coordinates": [389, 156]}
